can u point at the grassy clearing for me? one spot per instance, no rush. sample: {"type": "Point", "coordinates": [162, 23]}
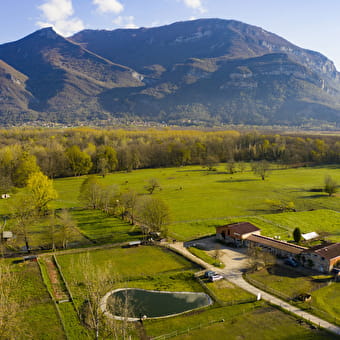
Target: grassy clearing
{"type": "Point", "coordinates": [199, 200]}
{"type": "Point", "coordinates": [323, 221]}
{"type": "Point", "coordinates": [186, 189]}
{"type": "Point", "coordinates": [247, 321]}
{"type": "Point", "coordinates": [226, 291]}
{"type": "Point", "coordinates": [263, 323]}
{"type": "Point", "coordinates": [325, 300]}
{"type": "Point", "coordinates": [130, 263]}
{"type": "Point", "coordinates": [37, 316]}
{"type": "Point", "coordinates": [205, 257]}
{"type": "Point", "coordinates": [100, 228]}
{"type": "Point", "coordinates": [144, 264]}
{"type": "Point", "coordinates": [73, 327]}
{"type": "Point", "coordinates": [285, 280]}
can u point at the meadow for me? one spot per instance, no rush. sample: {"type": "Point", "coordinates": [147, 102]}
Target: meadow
{"type": "Point", "coordinates": [37, 317]}
{"type": "Point", "coordinates": [194, 193]}
{"type": "Point", "coordinates": [199, 200]}
{"type": "Point", "coordinates": [325, 299]}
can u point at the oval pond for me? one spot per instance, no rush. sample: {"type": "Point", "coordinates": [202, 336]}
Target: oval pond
{"type": "Point", "coordinates": [153, 304]}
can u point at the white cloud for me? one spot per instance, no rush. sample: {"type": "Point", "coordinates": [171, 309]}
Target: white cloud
{"type": "Point", "coordinates": [195, 4]}
{"type": "Point", "coordinates": [58, 14]}
{"type": "Point", "coordinates": [126, 22]}
{"type": "Point", "coordinates": [106, 6]}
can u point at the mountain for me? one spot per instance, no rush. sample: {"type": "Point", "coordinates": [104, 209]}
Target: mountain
{"type": "Point", "coordinates": [206, 71]}
{"type": "Point", "coordinates": [62, 78]}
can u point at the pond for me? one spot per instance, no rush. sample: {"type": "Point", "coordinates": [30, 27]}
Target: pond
{"type": "Point", "coordinates": [135, 303]}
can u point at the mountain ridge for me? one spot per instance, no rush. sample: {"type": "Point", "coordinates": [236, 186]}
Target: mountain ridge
{"type": "Point", "coordinates": [206, 71]}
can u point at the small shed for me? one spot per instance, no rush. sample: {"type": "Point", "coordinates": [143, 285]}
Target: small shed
{"type": "Point", "coordinates": [310, 236]}
{"type": "Point", "coordinates": [134, 243]}
{"type": "Point", "coordinates": [7, 235]}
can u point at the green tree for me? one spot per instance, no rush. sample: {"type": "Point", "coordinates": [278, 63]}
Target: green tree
{"type": "Point", "coordinates": [26, 165]}
{"type": "Point", "coordinates": [105, 159]}
{"type": "Point", "coordinates": [79, 161]}
{"type": "Point", "coordinates": [331, 186]}
{"type": "Point", "coordinates": [42, 191]}
{"type": "Point", "coordinates": [297, 235]}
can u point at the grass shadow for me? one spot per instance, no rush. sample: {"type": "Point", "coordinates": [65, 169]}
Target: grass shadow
{"type": "Point", "coordinates": [237, 180]}
{"type": "Point", "coordinates": [283, 271]}
{"type": "Point", "coordinates": [314, 196]}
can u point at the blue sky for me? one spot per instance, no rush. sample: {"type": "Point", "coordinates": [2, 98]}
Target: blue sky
{"type": "Point", "coordinates": [312, 24]}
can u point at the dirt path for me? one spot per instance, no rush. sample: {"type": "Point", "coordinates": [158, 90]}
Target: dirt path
{"type": "Point", "coordinates": [58, 288]}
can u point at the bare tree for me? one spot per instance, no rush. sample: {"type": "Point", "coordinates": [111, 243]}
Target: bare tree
{"type": "Point", "coordinates": [259, 258]}
{"type": "Point", "coordinates": [67, 227]}
{"type": "Point", "coordinates": [90, 192]}
{"type": "Point", "coordinates": [261, 169]}
{"type": "Point", "coordinates": [154, 214]}
{"type": "Point", "coordinates": [152, 185]}
{"type": "Point", "coordinates": [231, 166]}
{"type": "Point", "coordinates": [24, 215]}
{"type": "Point", "coordinates": [97, 282]}
{"type": "Point", "coordinates": [129, 200]}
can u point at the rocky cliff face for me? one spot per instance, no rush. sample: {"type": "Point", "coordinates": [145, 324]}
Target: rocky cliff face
{"type": "Point", "coordinates": [206, 71]}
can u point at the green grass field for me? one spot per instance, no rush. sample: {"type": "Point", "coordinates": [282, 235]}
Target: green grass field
{"type": "Point", "coordinates": [37, 316]}
{"type": "Point", "coordinates": [227, 292]}
{"type": "Point", "coordinates": [199, 200]}
{"type": "Point", "coordinates": [323, 221]}
{"type": "Point", "coordinates": [100, 228]}
{"type": "Point", "coordinates": [194, 193]}
{"type": "Point", "coordinates": [325, 298]}
{"type": "Point", "coordinates": [246, 321]}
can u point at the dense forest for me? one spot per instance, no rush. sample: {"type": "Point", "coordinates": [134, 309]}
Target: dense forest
{"type": "Point", "coordinates": [80, 151]}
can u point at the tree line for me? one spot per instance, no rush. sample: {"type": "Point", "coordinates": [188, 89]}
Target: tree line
{"type": "Point", "coordinates": [81, 151]}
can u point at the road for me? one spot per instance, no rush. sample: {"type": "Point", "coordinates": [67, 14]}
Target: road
{"type": "Point", "coordinates": [235, 263]}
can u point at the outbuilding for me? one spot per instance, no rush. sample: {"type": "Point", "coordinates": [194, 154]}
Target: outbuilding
{"type": "Point", "coordinates": [236, 233]}
{"type": "Point", "coordinates": [323, 257]}
{"type": "Point", "coordinates": [276, 247]}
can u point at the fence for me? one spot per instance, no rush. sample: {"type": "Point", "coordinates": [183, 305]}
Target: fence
{"type": "Point", "coordinates": [309, 309]}
{"type": "Point", "coordinates": [185, 331]}
{"type": "Point", "coordinates": [219, 301]}
{"type": "Point", "coordinates": [268, 289]}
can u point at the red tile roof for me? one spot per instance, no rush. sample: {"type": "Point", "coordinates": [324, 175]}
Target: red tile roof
{"type": "Point", "coordinates": [240, 228]}
{"type": "Point", "coordinates": [328, 251]}
{"type": "Point", "coordinates": [270, 242]}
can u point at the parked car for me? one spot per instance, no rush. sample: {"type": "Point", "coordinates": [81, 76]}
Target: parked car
{"type": "Point", "coordinates": [209, 273]}
{"type": "Point", "coordinates": [215, 277]}
{"type": "Point", "coordinates": [291, 262]}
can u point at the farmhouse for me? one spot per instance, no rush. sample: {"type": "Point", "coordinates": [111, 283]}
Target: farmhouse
{"type": "Point", "coordinates": [244, 234]}
{"type": "Point", "coordinates": [323, 257]}
{"type": "Point", "coordinates": [236, 233]}
{"type": "Point", "coordinates": [276, 247]}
